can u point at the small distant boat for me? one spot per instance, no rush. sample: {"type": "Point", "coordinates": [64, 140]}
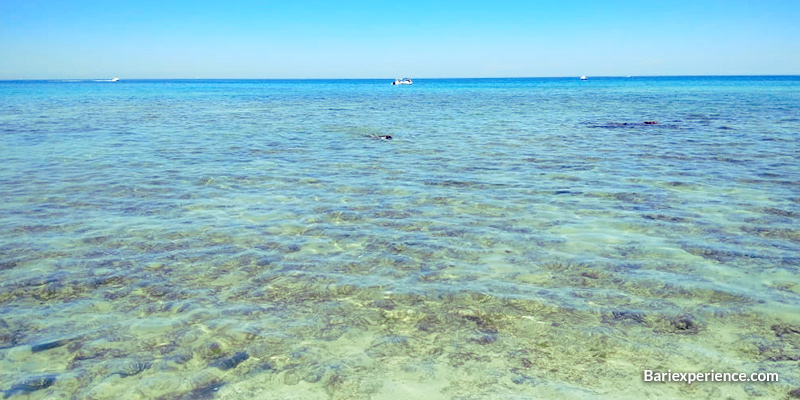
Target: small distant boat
{"type": "Point", "coordinates": [404, 81]}
{"type": "Point", "coordinates": [115, 79]}
{"type": "Point", "coordinates": [583, 78]}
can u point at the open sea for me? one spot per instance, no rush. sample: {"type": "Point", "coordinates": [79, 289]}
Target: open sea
{"type": "Point", "coordinates": [514, 239]}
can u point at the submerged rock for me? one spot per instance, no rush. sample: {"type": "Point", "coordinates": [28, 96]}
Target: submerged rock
{"type": "Point", "coordinates": [485, 339]}
{"type": "Point", "coordinates": [31, 385]}
{"type": "Point", "coordinates": [634, 316]}
{"type": "Point", "coordinates": [48, 345]}
{"type": "Point", "coordinates": [785, 329]}
{"type": "Point", "coordinates": [132, 369]}
{"type": "Point", "coordinates": [207, 391]}
{"type": "Point", "coordinates": [8, 265]}
{"type": "Point", "coordinates": [684, 325]}
{"type": "Point", "coordinates": [230, 362]}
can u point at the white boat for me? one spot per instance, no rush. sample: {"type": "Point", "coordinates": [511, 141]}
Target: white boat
{"type": "Point", "coordinates": [583, 78]}
{"type": "Point", "coordinates": [404, 81]}
{"type": "Point", "coordinates": [115, 79]}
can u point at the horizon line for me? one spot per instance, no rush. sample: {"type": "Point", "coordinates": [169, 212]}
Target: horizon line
{"type": "Point", "coordinates": [391, 78]}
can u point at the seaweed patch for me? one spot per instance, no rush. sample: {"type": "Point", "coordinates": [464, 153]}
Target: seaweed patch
{"type": "Point", "coordinates": [205, 392]}
{"type": "Point", "coordinates": [132, 369]}
{"type": "Point", "coordinates": [232, 362]}
{"type": "Point", "coordinates": [31, 385]}
{"type": "Point", "coordinates": [49, 345]}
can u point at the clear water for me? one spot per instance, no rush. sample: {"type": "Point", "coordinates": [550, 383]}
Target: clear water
{"type": "Point", "coordinates": [517, 238]}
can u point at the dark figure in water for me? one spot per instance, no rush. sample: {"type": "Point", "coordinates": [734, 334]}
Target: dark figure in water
{"type": "Point", "coordinates": [382, 137]}
{"type": "Point", "coordinates": [624, 124]}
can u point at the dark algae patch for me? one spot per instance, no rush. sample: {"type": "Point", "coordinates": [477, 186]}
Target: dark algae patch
{"type": "Point", "coordinates": [632, 316]}
{"type": "Point", "coordinates": [133, 368]}
{"type": "Point", "coordinates": [684, 325]}
{"type": "Point", "coordinates": [49, 345]}
{"type": "Point", "coordinates": [786, 330]}
{"type": "Point", "coordinates": [8, 264]}
{"type": "Point", "coordinates": [30, 385]}
{"type": "Point", "coordinates": [231, 362]}
{"type": "Point", "coordinates": [204, 392]}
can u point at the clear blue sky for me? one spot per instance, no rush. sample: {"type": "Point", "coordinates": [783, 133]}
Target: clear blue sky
{"type": "Point", "coordinates": [42, 39]}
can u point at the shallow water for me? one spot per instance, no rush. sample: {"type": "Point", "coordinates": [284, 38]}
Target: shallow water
{"type": "Point", "coordinates": [517, 238]}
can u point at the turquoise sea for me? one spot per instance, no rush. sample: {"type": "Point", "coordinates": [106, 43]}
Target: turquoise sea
{"type": "Point", "coordinates": [515, 239]}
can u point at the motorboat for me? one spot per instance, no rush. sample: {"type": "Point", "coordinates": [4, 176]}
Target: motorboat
{"type": "Point", "coordinates": [583, 78]}
{"type": "Point", "coordinates": [115, 79]}
{"type": "Point", "coordinates": [404, 81]}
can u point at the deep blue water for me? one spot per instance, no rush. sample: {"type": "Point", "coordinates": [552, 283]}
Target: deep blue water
{"type": "Point", "coordinates": [515, 238]}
